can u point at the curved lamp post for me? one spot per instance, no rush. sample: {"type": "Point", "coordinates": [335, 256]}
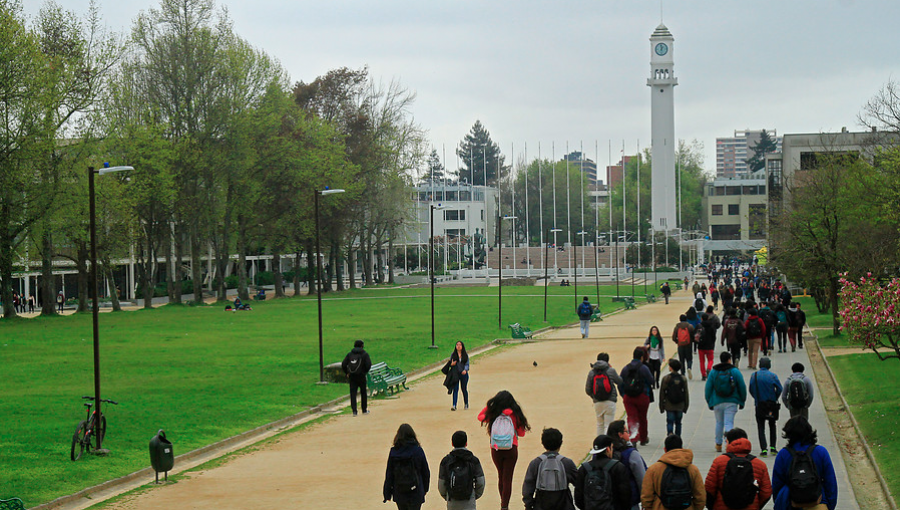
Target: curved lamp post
{"type": "Point", "coordinates": [546, 265]}
{"type": "Point", "coordinates": [582, 234]}
{"type": "Point", "coordinates": [316, 194]}
{"type": "Point", "coordinates": [96, 311]}
{"type": "Point", "coordinates": [500, 282]}
{"type": "Point", "coordinates": [431, 267]}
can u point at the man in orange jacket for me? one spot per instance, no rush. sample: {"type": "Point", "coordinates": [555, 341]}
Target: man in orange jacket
{"type": "Point", "coordinates": [745, 483]}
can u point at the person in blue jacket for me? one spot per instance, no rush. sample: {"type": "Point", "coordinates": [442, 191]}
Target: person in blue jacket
{"type": "Point", "coordinates": [801, 436]}
{"type": "Point", "coordinates": [765, 388]}
{"type": "Point", "coordinates": [725, 394]}
{"type": "Point", "coordinates": [405, 454]}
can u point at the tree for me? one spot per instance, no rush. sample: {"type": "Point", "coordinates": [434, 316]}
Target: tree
{"type": "Point", "coordinates": [871, 313]}
{"type": "Point", "coordinates": [882, 112]}
{"type": "Point", "coordinates": [765, 145]}
{"type": "Point", "coordinates": [435, 170]}
{"type": "Point", "coordinates": [481, 157]}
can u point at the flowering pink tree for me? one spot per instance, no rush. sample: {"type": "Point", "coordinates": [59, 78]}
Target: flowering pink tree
{"type": "Point", "coordinates": [870, 313]}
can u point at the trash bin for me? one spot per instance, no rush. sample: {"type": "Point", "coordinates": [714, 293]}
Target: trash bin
{"type": "Point", "coordinates": [162, 455]}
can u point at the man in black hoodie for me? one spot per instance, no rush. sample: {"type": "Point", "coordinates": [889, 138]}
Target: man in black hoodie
{"type": "Point", "coordinates": [612, 474]}
{"type": "Point", "coordinates": [356, 365]}
{"type": "Point", "coordinates": [460, 464]}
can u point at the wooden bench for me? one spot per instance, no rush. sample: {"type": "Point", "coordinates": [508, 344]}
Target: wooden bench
{"type": "Point", "coordinates": [383, 379]}
{"type": "Point", "coordinates": [629, 303]}
{"type": "Point", "coordinates": [520, 331]}
{"type": "Point", "coordinates": [12, 504]}
{"type": "Point", "coordinates": [597, 316]}
{"type": "Point", "coordinates": [651, 298]}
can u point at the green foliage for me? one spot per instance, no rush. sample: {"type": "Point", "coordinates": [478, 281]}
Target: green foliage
{"type": "Point", "coordinates": [481, 156]}
{"type": "Point", "coordinates": [765, 145]}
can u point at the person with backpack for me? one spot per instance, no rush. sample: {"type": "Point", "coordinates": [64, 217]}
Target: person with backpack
{"type": "Point", "coordinates": [727, 297]}
{"type": "Point", "coordinates": [767, 314]}
{"type": "Point", "coordinates": [755, 331]}
{"type": "Point", "coordinates": [803, 475]}
{"type": "Point", "coordinates": [793, 323]}
{"type": "Point", "coordinates": [798, 392]}
{"type": "Point", "coordinates": [547, 479]}
{"type": "Point", "coordinates": [601, 386]}
{"type": "Point", "coordinates": [407, 477]}
{"type": "Point", "coordinates": [733, 337]}
{"type": "Point", "coordinates": [699, 302]}
{"type": "Point", "coordinates": [656, 353]}
{"type": "Point", "coordinates": [714, 295]}
{"type": "Point", "coordinates": [801, 323]}
{"type": "Point", "coordinates": [459, 361]}
{"type": "Point", "coordinates": [460, 477]}
{"type": "Point", "coordinates": [683, 336]}
{"type": "Point", "coordinates": [356, 365]}
{"type": "Point", "coordinates": [706, 347]}
{"type": "Point", "coordinates": [585, 310]}
{"type": "Point", "coordinates": [625, 452]}
{"type": "Point", "coordinates": [666, 291]}
{"type": "Point", "coordinates": [602, 482]}
{"type": "Point", "coordinates": [765, 388]}
{"type": "Point", "coordinates": [673, 482]}
{"type": "Point", "coordinates": [781, 327]}
{"type": "Point", "coordinates": [674, 398]}
{"type": "Point", "coordinates": [725, 394]}
{"type": "Point", "coordinates": [505, 422]}
{"type": "Point", "coordinates": [637, 391]}
{"type": "Point", "coordinates": [737, 480]}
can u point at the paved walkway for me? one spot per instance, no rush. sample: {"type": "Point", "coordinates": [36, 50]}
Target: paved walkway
{"type": "Point", "coordinates": [340, 463]}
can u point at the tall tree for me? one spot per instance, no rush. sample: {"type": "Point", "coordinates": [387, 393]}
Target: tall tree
{"type": "Point", "coordinates": [481, 157]}
{"type": "Point", "coordinates": [765, 145]}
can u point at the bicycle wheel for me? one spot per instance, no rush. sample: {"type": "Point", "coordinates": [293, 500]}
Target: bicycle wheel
{"type": "Point", "coordinates": [99, 433]}
{"type": "Point", "coordinates": [78, 440]}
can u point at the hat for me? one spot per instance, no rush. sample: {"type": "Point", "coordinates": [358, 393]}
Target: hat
{"type": "Point", "coordinates": [601, 443]}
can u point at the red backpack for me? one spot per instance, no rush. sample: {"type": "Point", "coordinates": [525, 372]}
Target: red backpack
{"type": "Point", "coordinates": [684, 337]}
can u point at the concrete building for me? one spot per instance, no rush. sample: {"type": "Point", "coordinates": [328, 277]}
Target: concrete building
{"type": "Point", "coordinates": [662, 84]}
{"type": "Point", "coordinates": [732, 153]}
{"type": "Point", "coordinates": [734, 213]}
{"type": "Point", "coordinates": [589, 167]}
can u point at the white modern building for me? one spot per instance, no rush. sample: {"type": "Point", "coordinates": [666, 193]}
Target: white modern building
{"type": "Point", "coordinates": [662, 83]}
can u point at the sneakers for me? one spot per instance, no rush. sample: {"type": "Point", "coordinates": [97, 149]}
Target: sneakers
{"type": "Point", "coordinates": [466, 406]}
{"type": "Point", "coordinates": [366, 411]}
{"type": "Point", "coordinates": [453, 408]}
{"type": "Point", "coordinates": [764, 453]}
{"type": "Point", "coordinates": [690, 374]}
{"type": "Point", "coordinates": [773, 450]}
{"type": "Point", "coordinates": [718, 448]}
{"type": "Point", "coordinates": [354, 414]}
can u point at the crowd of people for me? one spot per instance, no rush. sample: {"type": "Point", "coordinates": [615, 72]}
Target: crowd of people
{"type": "Point", "coordinates": [616, 476]}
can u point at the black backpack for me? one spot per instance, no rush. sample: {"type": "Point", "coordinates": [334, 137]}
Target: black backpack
{"type": "Point", "coordinates": [676, 492]}
{"type": "Point", "coordinates": [675, 389]}
{"type": "Point", "coordinates": [598, 493]}
{"type": "Point", "coordinates": [634, 385]}
{"type": "Point", "coordinates": [803, 479]}
{"type": "Point", "coordinates": [754, 330]}
{"type": "Point", "coordinates": [698, 304]}
{"type": "Point", "coordinates": [738, 485]}
{"type": "Point", "coordinates": [460, 479]}
{"type": "Point", "coordinates": [798, 393]}
{"type": "Point", "coordinates": [406, 480]}
{"type": "Point", "coordinates": [355, 363]}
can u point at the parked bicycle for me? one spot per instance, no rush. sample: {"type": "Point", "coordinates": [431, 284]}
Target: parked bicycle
{"type": "Point", "coordinates": [92, 428]}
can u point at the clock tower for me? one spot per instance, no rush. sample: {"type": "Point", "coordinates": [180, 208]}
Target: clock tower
{"type": "Point", "coordinates": [662, 83]}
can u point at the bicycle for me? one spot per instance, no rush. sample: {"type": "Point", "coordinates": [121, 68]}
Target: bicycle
{"type": "Point", "coordinates": [89, 430]}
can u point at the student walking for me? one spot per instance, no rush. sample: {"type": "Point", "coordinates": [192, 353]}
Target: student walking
{"type": "Point", "coordinates": [656, 353]}
{"type": "Point", "coordinates": [460, 477]}
{"type": "Point", "coordinates": [407, 476]}
{"type": "Point", "coordinates": [625, 452]}
{"type": "Point", "coordinates": [585, 310]}
{"type": "Point", "coordinates": [459, 361]}
{"type": "Point", "coordinates": [683, 336]}
{"type": "Point", "coordinates": [755, 330]}
{"type": "Point", "coordinates": [781, 328]}
{"type": "Point", "coordinates": [666, 291]}
{"type": "Point", "coordinates": [737, 479]}
{"type": "Point", "coordinates": [803, 475]}
{"type": "Point", "coordinates": [733, 337]}
{"type": "Point", "coordinates": [602, 385]}
{"type": "Point", "coordinates": [356, 365]}
{"type": "Point", "coordinates": [602, 480]}
{"type": "Point", "coordinates": [767, 314]}
{"type": "Point", "coordinates": [637, 391]}
{"type": "Point", "coordinates": [505, 423]}
{"type": "Point", "coordinates": [674, 398]}
{"type": "Point", "coordinates": [793, 324]}
{"type": "Point", "coordinates": [547, 479]}
{"type": "Point", "coordinates": [706, 347]}
{"type": "Point", "coordinates": [798, 392]}
{"type": "Point", "coordinates": [765, 390]}
{"type": "Point", "coordinates": [801, 323]}
{"type": "Point", "coordinates": [673, 481]}
{"type": "Point", "coordinates": [725, 394]}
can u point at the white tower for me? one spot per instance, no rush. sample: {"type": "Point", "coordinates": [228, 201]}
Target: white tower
{"type": "Point", "coordinates": [662, 82]}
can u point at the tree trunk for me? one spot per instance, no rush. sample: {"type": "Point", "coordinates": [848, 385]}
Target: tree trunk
{"type": "Point", "coordinates": [48, 283]}
{"type": "Point", "coordinates": [196, 264]}
{"type": "Point", "coordinates": [276, 272]}
{"type": "Point", "coordinates": [338, 265]}
{"type": "Point", "coordinates": [114, 291]}
{"type": "Point", "coordinates": [242, 268]}
{"type": "Point", "coordinates": [84, 292]}
{"type": "Point", "coordinates": [297, 274]}
{"type": "Point", "coordinates": [351, 264]}
{"type": "Point", "coordinates": [311, 266]}
{"type": "Point", "coordinates": [6, 274]}
{"type": "Point", "coordinates": [833, 289]}
{"type": "Point", "coordinates": [391, 260]}
{"type": "Point", "coordinates": [178, 273]}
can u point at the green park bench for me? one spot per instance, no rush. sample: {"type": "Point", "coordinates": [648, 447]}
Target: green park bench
{"type": "Point", "coordinates": [597, 316]}
{"type": "Point", "coordinates": [383, 379]}
{"type": "Point", "coordinates": [520, 331]}
{"type": "Point", "coordinates": [629, 303]}
{"type": "Point", "coordinates": [677, 285]}
{"type": "Point", "coordinates": [651, 298]}
{"type": "Point", "coordinates": [12, 504]}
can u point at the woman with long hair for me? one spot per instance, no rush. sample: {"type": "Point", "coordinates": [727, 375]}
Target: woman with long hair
{"type": "Point", "coordinates": [505, 423]}
{"type": "Point", "coordinates": [657, 353]}
{"type": "Point", "coordinates": [407, 476]}
{"type": "Point", "coordinates": [459, 361]}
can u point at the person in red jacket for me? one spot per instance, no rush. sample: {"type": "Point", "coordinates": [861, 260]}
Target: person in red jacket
{"type": "Point", "coordinates": [504, 455]}
{"type": "Point", "coordinates": [755, 496]}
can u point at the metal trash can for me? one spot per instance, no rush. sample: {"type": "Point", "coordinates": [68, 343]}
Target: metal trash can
{"type": "Point", "coordinates": [162, 455]}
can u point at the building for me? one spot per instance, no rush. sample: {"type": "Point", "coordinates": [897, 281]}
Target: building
{"type": "Point", "coordinates": [734, 213]}
{"type": "Point", "coordinates": [586, 165]}
{"type": "Point", "coordinates": [732, 153]}
{"type": "Point", "coordinates": [615, 171]}
{"type": "Point", "coordinates": [465, 210]}
{"type": "Point", "coordinates": [662, 84]}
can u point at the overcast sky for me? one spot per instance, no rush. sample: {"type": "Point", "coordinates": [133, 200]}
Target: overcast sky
{"type": "Point", "coordinates": [575, 71]}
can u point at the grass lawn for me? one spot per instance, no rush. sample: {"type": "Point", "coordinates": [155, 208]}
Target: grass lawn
{"type": "Point", "coordinates": [203, 374]}
{"type": "Point", "coordinates": [869, 385]}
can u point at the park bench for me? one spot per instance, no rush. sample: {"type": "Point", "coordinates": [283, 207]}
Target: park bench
{"type": "Point", "coordinates": [383, 379]}
{"type": "Point", "coordinates": [520, 331]}
{"type": "Point", "coordinates": [651, 298]}
{"type": "Point", "coordinates": [597, 316]}
{"type": "Point", "coordinates": [12, 504]}
{"type": "Point", "coordinates": [677, 285]}
{"type": "Point", "coordinates": [629, 303]}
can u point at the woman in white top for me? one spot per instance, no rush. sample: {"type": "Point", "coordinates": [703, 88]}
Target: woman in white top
{"type": "Point", "coordinates": [656, 351]}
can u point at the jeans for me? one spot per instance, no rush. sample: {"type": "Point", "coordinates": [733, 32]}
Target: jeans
{"type": "Point", "coordinates": [358, 384]}
{"type": "Point", "coordinates": [706, 361]}
{"type": "Point", "coordinates": [585, 327]}
{"type": "Point", "coordinates": [673, 421]}
{"type": "Point", "coordinates": [505, 462]}
{"type": "Point", "coordinates": [464, 382]}
{"type": "Point", "coordinates": [636, 409]}
{"type": "Point", "coordinates": [606, 414]}
{"type": "Point", "coordinates": [686, 355]}
{"type": "Point", "coordinates": [724, 418]}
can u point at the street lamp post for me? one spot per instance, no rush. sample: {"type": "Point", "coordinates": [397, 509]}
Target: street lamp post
{"type": "Point", "coordinates": [431, 267]}
{"type": "Point", "coordinates": [582, 234]}
{"type": "Point", "coordinates": [500, 282]}
{"type": "Point", "coordinates": [546, 265]}
{"type": "Point", "coordinates": [96, 311]}
{"type": "Point", "coordinates": [316, 194]}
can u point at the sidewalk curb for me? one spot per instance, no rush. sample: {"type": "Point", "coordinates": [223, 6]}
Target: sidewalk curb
{"type": "Point", "coordinates": [869, 454]}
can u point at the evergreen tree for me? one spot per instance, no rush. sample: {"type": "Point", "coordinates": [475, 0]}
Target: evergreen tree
{"type": "Point", "coordinates": [765, 145]}
{"type": "Point", "coordinates": [481, 157]}
{"type": "Point", "coordinates": [435, 169]}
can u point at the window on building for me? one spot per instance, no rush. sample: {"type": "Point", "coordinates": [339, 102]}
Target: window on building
{"type": "Point", "coordinates": [757, 221]}
{"type": "Point", "coordinates": [465, 196]}
{"type": "Point", "coordinates": [455, 215]}
{"type": "Point", "coordinates": [717, 210]}
{"type": "Point", "coordinates": [732, 190]}
{"type": "Point", "coordinates": [454, 233]}
{"type": "Point", "coordinates": [750, 190]}
{"type": "Point", "coordinates": [726, 232]}
{"type": "Point", "coordinates": [450, 196]}
{"type": "Point", "coordinates": [720, 191]}
{"type": "Point", "coordinates": [734, 209]}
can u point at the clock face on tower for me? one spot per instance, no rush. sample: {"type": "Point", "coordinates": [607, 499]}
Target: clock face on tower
{"type": "Point", "coordinates": [661, 49]}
